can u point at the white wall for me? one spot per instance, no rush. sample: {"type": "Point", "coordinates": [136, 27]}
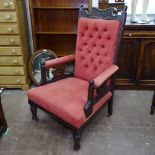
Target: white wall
{"type": "Point", "coordinates": [150, 10]}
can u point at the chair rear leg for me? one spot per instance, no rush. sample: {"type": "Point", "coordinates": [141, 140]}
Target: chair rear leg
{"type": "Point", "coordinates": [153, 105]}
{"type": "Point", "coordinates": [110, 107]}
{"type": "Point", "coordinates": [76, 137]}
{"type": "Point", "coordinates": [33, 109]}
{"type": "Point", "coordinates": [3, 128]}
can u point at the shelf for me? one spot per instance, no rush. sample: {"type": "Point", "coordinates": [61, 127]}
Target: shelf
{"type": "Point", "coordinates": [57, 42]}
{"type": "Point", "coordinates": [59, 3]}
{"type": "Point", "coordinates": [57, 21]}
{"type": "Point", "coordinates": [58, 7]}
{"type": "Point", "coordinates": [59, 33]}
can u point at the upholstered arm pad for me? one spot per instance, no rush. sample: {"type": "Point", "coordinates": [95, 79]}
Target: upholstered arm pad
{"type": "Point", "coordinates": [105, 75]}
{"type": "Point", "coordinates": [59, 61]}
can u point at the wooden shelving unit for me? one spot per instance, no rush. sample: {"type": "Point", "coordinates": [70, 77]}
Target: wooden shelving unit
{"type": "Point", "coordinates": [54, 24]}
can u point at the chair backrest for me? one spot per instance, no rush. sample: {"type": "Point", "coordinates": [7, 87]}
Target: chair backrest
{"type": "Point", "coordinates": [98, 39]}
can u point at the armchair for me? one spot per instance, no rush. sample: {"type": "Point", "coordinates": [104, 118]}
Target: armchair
{"type": "Point", "coordinates": [75, 99]}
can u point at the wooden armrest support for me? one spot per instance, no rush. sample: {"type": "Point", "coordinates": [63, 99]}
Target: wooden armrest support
{"type": "Point", "coordinates": [58, 72]}
{"type": "Point", "coordinates": [88, 107]}
{"type": "Point", "coordinates": [101, 90]}
{"type": "Point", "coordinates": [99, 80]}
{"type": "Point", "coordinates": [59, 61]}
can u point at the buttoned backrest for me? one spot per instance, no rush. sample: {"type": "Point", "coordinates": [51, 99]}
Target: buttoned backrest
{"type": "Point", "coordinates": [95, 46]}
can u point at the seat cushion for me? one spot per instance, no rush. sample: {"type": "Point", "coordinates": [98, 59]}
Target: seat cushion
{"type": "Point", "coordinates": [65, 99]}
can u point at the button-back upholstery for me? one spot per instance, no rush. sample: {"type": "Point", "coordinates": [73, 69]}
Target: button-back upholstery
{"type": "Point", "coordinates": [95, 46]}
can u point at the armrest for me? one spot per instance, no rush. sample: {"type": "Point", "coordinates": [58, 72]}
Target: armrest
{"type": "Point", "coordinates": [59, 61]}
{"type": "Point", "coordinates": [105, 75]}
{"type": "Point", "coordinates": [96, 83]}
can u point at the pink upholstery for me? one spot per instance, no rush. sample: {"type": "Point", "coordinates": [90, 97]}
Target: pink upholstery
{"type": "Point", "coordinates": [59, 61]}
{"type": "Point", "coordinates": [95, 46]}
{"type": "Point", "coordinates": [66, 99]}
{"type": "Point", "coordinates": [105, 75]}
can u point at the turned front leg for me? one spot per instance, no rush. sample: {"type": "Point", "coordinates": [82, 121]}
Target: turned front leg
{"type": "Point", "coordinates": [33, 109]}
{"type": "Point", "coordinates": [76, 137]}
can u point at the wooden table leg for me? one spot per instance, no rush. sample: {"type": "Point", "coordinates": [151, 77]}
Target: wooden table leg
{"type": "Point", "coordinates": [153, 105]}
{"type": "Point", "coordinates": [3, 123]}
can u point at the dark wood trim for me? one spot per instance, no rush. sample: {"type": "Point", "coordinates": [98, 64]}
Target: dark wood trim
{"type": "Point", "coordinates": [88, 108]}
{"type": "Point", "coordinates": [43, 73]}
{"type": "Point", "coordinates": [76, 137]}
{"type": "Point", "coordinates": [33, 109]}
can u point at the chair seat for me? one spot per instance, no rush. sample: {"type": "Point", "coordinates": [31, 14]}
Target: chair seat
{"type": "Point", "coordinates": [65, 101]}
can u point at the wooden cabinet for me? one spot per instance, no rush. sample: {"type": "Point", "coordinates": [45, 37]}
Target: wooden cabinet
{"type": "Point", "coordinates": [14, 45]}
{"type": "Point", "coordinates": [127, 59]}
{"type": "Point", "coordinates": [147, 61]}
{"type": "Point", "coordinates": [54, 24]}
{"type": "Point", "coordinates": [137, 57]}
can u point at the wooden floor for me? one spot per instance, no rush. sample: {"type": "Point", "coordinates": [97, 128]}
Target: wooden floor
{"type": "Point", "coordinates": [130, 130]}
